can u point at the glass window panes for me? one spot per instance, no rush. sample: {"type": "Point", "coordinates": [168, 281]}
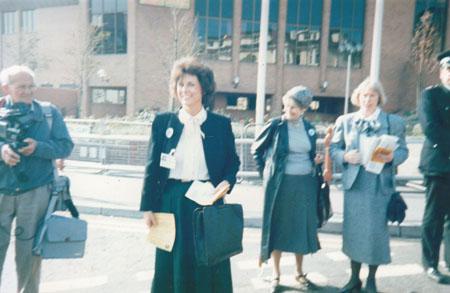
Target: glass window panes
{"type": "Point", "coordinates": [438, 9]}
{"type": "Point", "coordinates": [250, 31]}
{"type": "Point", "coordinates": [346, 32]}
{"type": "Point", "coordinates": [214, 28]}
{"type": "Point", "coordinates": [115, 96]}
{"type": "Point", "coordinates": [110, 18]}
{"type": "Point", "coordinates": [9, 23]}
{"type": "Point", "coordinates": [28, 21]}
{"type": "Point", "coordinates": [303, 32]}
{"type": "Point", "coordinates": [98, 96]}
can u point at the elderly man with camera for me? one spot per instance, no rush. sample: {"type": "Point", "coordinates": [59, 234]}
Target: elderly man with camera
{"type": "Point", "coordinates": [32, 136]}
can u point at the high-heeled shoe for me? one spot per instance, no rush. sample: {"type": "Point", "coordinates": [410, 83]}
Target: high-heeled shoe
{"type": "Point", "coordinates": [304, 282]}
{"type": "Point", "coordinates": [275, 283]}
{"type": "Point", "coordinates": [351, 286]}
{"type": "Point", "coordinates": [371, 286]}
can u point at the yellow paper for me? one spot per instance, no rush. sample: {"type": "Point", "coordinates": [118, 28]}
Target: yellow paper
{"type": "Point", "coordinates": [162, 235]}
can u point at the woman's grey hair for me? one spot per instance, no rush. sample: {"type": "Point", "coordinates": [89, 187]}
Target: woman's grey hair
{"type": "Point", "coordinates": [301, 95]}
{"type": "Point", "coordinates": [7, 73]}
{"type": "Point", "coordinates": [366, 85]}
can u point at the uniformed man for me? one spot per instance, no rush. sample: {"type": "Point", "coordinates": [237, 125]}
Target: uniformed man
{"type": "Point", "coordinates": [434, 115]}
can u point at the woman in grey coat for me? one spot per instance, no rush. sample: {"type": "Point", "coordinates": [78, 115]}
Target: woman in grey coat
{"type": "Point", "coordinates": [285, 152]}
{"type": "Point", "coordinates": [366, 194]}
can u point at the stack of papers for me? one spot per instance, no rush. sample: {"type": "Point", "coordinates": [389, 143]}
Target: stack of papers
{"type": "Point", "coordinates": [384, 144]}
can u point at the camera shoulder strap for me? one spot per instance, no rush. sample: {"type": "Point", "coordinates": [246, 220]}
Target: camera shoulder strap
{"type": "Point", "coordinates": [47, 110]}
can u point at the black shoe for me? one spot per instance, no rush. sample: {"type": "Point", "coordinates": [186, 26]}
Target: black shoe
{"type": "Point", "coordinates": [435, 275]}
{"type": "Point", "coordinates": [351, 286]}
{"type": "Point", "coordinates": [371, 286]}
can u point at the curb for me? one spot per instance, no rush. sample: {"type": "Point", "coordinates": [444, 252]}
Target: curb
{"type": "Point", "coordinates": [332, 227]}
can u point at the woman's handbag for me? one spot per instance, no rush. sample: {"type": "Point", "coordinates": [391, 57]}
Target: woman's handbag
{"type": "Point", "coordinates": [324, 211]}
{"type": "Point", "coordinates": [218, 231]}
{"type": "Point", "coordinates": [60, 236]}
{"type": "Point", "coordinates": [396, 210]}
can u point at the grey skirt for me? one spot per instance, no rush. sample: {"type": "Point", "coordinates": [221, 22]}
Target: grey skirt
{"type": "Point", "coordinates": [294, 220]}
{"type": "Point", "coordinates": [365, 230]}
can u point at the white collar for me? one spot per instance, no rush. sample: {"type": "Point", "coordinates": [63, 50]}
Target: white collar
{"type": "Point", "coordinates": [187, 118]}
{"type": "Point", "coordinates": [373, 116]}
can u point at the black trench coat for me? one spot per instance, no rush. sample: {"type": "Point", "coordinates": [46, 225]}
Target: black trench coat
{"type": "Point", "coordinates": [270, 150]}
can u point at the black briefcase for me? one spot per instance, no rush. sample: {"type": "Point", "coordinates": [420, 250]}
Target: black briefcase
{"type": "Point", "coordinates": [218, 231]}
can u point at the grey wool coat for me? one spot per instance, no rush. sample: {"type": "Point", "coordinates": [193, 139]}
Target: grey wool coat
{"type": "Point", "coordinates": [270, 150]}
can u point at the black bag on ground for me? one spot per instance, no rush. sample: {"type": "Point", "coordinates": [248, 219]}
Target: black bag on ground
{"type": "Point", "coordinates": [218, 231]}
{"type": "Point", "coordinates": [396, 210]}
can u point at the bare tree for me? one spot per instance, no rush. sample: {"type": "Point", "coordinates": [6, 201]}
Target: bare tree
{"type": "Point", "coordinates": [25, 50]}
{"type": "Point", "coordinates": [86, 41]}
{"type": "Point", "coordinates": [424, 44]}
{"type": "Point", "coordinates": [182, 41]}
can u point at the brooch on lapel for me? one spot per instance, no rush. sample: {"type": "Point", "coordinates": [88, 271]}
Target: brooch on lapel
{"type": "Point", "coordinates": [169, 132]}
{"type": "Point", "coordinates": [311, 132]}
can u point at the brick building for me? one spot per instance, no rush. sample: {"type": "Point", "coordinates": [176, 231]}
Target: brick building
{"type": "Point", "coordinates": [309, 43]}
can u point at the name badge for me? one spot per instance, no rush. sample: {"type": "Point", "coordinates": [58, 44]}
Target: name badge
{"type": "Point", "coordinates": [168, 160]}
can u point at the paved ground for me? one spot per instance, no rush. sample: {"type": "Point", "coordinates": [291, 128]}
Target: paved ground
{"type": "Point", "coordinates": [118, 259]}
{"type": "Point", "coordinates": [115, 190]}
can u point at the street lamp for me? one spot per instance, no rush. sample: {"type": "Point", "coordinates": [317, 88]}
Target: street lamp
{"type": "Point", "coordinates": [349, 49]}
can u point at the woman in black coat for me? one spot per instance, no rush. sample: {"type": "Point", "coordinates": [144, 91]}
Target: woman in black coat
{"type": "Point", "coordinates": [192, 144]}
{"type": "Point", "coordinates": [285, 152]}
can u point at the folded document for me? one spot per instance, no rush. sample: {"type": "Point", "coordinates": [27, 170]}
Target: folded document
{"type": "Point", "coordinates": [204, 193]}
{"type": "Point", "coordinates": [162, 235]}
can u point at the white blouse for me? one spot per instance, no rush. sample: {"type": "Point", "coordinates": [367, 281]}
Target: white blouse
{"type": "Point", "coordinates": [189, 154]}
{"type": "Point", "coordinates": [364, 140]}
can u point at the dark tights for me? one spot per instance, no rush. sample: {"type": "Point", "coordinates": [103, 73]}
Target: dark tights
{"type": "Point", "coordinates": [354, 279]}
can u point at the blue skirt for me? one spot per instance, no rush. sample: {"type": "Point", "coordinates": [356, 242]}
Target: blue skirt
{"type": "Point", "coordinates": [294, 220]}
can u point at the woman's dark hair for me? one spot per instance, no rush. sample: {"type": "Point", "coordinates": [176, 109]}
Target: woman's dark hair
{"type": "Point", "coordinates": [205, 76]}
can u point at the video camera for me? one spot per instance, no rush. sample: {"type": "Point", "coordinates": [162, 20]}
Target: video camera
{"type": "Point", "coordinates": [13, 129]}
{"type": "Point", "coordinates": [13, 126]}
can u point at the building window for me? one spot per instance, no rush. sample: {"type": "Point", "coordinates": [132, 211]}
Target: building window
{"type": "Point", "coordinates": [102, 95]}
{"type": "Point", "coordinates": [9, 23]}
{"type": "Point", "coordinates": [28, 21]}
{"type": "Point", "coordinates": [346, 32]}
{"type": "Point", "coordinates": [251, 16]}
{"type": "Point", "coordinates": [109, 17]}
{"type": "Point", "coordinates": [303, 28]}
{"type": "Point", "coordinates": [438, 10]}
{"type": "Point", "coordinates": [215, 28]}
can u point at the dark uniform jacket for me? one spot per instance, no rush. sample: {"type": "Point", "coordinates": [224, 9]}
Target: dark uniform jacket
{"type": "Point", "coordinates": [270, 151]}
{"type": "Point", "coordinates": [219, 148]}
{"type": "Point", "coordinates": [434, 115]}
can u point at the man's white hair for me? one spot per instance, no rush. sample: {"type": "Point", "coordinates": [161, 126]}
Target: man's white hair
{"type": "Point", "coordinates": [8, 73]}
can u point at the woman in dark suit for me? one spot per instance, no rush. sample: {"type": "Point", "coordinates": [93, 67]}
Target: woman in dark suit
{"type": "Point", "coordinates": [285, 152]}
{"type": "Point", "coordinates": [192, 144]}
{"type": "Point", "coordinates": [366, 194]}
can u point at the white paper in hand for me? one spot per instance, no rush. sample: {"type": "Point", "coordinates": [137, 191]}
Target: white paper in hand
{"type": "Point", "coordinates": [201, 192]}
